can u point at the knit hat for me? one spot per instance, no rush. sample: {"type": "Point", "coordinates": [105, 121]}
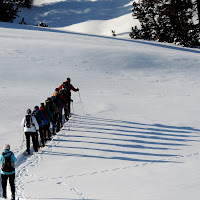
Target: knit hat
{"type": "Point", "coordinates": [6, 147]}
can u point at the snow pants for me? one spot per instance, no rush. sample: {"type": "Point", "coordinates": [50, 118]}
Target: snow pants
{"type": "Point", "coordinates": [42, 132]}
{"type": "Point", "coordinates": [28, 138]}
{"type": "Point", "coordinates": [4, 180]}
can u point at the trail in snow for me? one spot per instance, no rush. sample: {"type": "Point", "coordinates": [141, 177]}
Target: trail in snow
{"type": "Point", "coordinates": [143, 104]}
{"type": "Point", "coordinates": [104, 134]}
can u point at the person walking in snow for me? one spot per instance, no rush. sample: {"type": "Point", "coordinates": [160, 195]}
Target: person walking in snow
{"type": "Point", "coordinates": [31, 127]}
{"type": "Point", "coordinates": [41, 122]}
{"type": "Point", "coordinates": [70, 87]}
{"type": "Point", "coordinates": [64, 92]}
{"type": "Point", "coordinates": [60, 101]}
{"type": "Point", "coordinates": [55, 111]}
{"type": "Point", "coordinates": [48, 116]}
{"type": "Point", "coordinates": [7, 160]}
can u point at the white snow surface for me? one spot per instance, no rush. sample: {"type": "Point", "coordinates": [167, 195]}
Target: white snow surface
{"type": "Point", "coordinates": [137, 134]}
{"type": "Point", "coordinates": [97, 17]}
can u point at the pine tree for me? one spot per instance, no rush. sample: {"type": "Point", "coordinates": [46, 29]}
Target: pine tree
{"type": "Point", "coordinates": [197, 2]}
{"type": "Point", "coordinates": [8, 10]}
{"type": "Point", "coordinates": [166, 21]}
{"type": "Point", "coordinates": [26, 3]}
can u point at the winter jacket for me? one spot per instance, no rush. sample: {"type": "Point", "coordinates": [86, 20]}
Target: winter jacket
{"type": "Point", "coordinates": [33, 128]}
{"type": "Point", "coordinates": [60, 101]}
{"type": "Point", "coordinates": [40, 117]}
{"type": "Point", "coordinates": [55, 107]}
{"type": "Point", "coordinates": [13, 158]}
{"type": "Point", "coordinates": [71, 87]}
{"type": "Point", "coordinates": [44, 111]}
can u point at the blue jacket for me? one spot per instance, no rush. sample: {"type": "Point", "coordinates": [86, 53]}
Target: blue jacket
{"type": "Point", "coordinates": [41, 119]}
{"type": "Point", "coordinates": [13, 158]}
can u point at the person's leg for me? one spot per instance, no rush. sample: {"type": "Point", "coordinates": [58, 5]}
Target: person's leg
{"type": "Point", "coordinates": [69, 107]}
{"type": "Point", "coordinates": [66, 113]}
{"type": "Point", "coordinates": [58, 123]}
{"type": "Point", "coordinates": [27, 134]}
{"type": "Point", "coordinates": [37, 139]}
{"type": "Point", "coordinates": [46, 133]}
{"type": "Point", "coordinates": [12, 185]}
{"type": "Point", "coordinates": [33, 135]}
{"type": "Point", "coordinates": [4, 179]}
{"type": "Point", "coordinates": [42, 135]}
{"type": "Point", "coordinates": [53, 125]}
{"type": "Point", "coordinates": [49, 132]}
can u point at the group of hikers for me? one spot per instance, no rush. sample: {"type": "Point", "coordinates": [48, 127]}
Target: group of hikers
{"type": "Point", "coordinates": [45, 121]}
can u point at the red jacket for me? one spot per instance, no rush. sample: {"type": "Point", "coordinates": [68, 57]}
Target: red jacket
{"type": "Point", "coordinates": [71, 87]}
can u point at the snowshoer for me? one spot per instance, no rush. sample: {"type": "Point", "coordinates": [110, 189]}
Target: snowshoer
{"type": "Point", "coordinates": [65, 93]}
{"type": "Point", "coordinates": [55, 111]}
{"type": "Point", "coordinates": [70, 87]}
{"type": "Point", "coordinates": [7, 160]}
{"type": "Point", "coordinates": [60, 101]}
{"type": "Point", "coordinates": [31, 127]}
{"type": "Point", "coordinates": [41, 122]}
{"type": "Point", "coordinates": [47, 124]}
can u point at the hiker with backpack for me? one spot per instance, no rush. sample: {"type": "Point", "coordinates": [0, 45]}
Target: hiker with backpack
{"type": "Point", "coordinates": [7, 160]}
{"type": "Point", "coordinates": [47, 124]}
{"type": "Point", "coordinates": [60, 101]}
{"type": "Point", "coordinates": [55, 111]}
{"type": "Point", "coordinates": [31, 127]}
{"type": "Point", "coordinates": [49, 115]}
{"type": "Point", "coordinates": [64, 92]}
{"type": "Point", "coordinates": [69, 87]}
{"type": "Point", "coordinates": [41, 122]}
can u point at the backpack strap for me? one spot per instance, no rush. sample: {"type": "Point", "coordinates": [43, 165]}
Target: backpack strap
{"type": "Point", "coordinates": [5, 153]}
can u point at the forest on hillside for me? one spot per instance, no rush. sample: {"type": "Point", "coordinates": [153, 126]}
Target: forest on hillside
{"type": "Point", "coordinates": [171, 21]}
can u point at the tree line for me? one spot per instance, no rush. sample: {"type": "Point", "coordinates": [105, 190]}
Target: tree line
{"type": "Point", "coordinates": [9, 9]}
{"type": "Point", "coordinates": [173, 21]}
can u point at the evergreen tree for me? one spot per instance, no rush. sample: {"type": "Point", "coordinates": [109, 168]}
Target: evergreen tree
{"type": "Point", "coordinates": [26, 3]}
{"type": "Point", "coordinates": [198, 9]}
{"type": "Point", "coordinates": [8, 10]}
{"type": "Point", "coordinates": [166, 21]}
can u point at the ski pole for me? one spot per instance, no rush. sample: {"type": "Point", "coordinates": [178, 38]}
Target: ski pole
{"type": "Point", "coordinates": [69, 123]}
{"type": "Point", "coordinates": [73, 111]}
{"type": "Point", "coordinates": [23, 140]}
{"type": "Point", "coordinates": [81, 102]}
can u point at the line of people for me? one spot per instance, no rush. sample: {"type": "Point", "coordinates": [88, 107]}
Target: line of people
{"type": "Point", "coordinates": [38, 121]}
{"type": "Point", "coordinates": [46, 120]}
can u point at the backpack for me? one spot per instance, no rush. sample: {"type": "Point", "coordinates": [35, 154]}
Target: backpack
{"type": "Point", "coordinates": [65, 86]}
{"type": "Point", "coordinates": [7, 165]}
{"type": "Point", "coordinates": [28, 121]}
{"type": "Point", "coordinates": [64, 93]}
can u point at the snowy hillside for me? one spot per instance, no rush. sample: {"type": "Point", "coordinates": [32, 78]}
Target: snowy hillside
{"type": "Point", "coordinates": [97, 17]}
{"type": "Point", "coordinates": [138, 136]}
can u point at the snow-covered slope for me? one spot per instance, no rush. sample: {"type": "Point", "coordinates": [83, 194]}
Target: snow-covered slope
{"type": "Point", "coordinates": [97, 17]}
{"type": "Point", "coordinates": [138, 136]}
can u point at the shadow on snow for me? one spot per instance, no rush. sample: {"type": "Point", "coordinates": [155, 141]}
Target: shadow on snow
{"type": "Point", "coordinates": [93, 137]}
